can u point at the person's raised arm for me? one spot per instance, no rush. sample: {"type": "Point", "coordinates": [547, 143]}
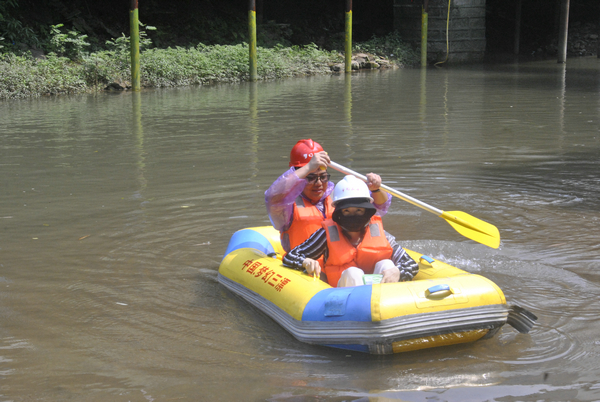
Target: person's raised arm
{"type": "Point", "coordinates": [320, 160]}
{"type": "Point", "coordinates": [381, 200]}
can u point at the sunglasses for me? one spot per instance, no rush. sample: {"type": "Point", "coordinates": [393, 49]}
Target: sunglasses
{"type": "Point", "coordinates": [312, 178]}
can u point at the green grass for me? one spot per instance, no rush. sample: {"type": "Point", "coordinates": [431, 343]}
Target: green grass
{"type": "Point", "coordinates": [23, 77]}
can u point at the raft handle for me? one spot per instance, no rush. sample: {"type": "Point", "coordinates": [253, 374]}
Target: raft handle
{"type": "Point", "coordinates": [438, 289]}
{"type": "Point", "coordinates": [427, 258]}
{"type": "Point", "coordinates": [275, 255]}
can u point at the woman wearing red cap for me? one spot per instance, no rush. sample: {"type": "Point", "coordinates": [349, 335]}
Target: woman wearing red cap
{"type": "Point", "coordinates": [299, 200]}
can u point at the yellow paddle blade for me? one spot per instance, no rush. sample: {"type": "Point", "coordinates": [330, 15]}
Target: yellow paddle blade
{"type": "Point", "coordinates": [473, 228]}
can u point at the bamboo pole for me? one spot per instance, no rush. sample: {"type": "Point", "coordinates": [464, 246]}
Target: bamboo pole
{"type": "Point", "coordinates": [564, 31]}
{"type": "Point", "coordinates": [424, 29]}
{"type": "Point", "coordinates": [252, 40]}
{"type": "Point", "coordinates": [134, 34]}
{"type": "Point", "coordinates": [348, 38]}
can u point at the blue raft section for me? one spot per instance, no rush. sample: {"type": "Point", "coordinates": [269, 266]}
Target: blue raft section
{"type": "Point", "coordinates": [248, 238]}
{"type": "Point", "coordinates": [334, 304]}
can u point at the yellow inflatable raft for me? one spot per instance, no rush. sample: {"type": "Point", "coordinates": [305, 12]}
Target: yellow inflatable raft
{"type": "Point", "coordinates": [443, 305]}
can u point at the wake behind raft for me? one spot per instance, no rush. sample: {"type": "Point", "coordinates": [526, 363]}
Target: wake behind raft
{"type": "Point", "coordinates": [443, 305]}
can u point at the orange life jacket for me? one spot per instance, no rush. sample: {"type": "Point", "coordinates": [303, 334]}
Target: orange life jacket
{"type": "Point", "coordinates": [306, 220]}
{"type": "Point", "coordinates": [373, 248]}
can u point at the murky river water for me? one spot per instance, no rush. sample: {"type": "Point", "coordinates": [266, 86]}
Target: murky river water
{"type": "Point", "coordinates": [115, 211]}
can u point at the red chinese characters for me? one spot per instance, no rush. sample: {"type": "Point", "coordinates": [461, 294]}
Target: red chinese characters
{"type": "Point", "coordinates": [282, 284]}
{"type": "Point", "coordinates": [267, 275]}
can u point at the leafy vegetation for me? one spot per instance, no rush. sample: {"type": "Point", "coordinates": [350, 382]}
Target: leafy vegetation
{"type": "Point", "coordinates": [12, 28]}
{"type": "Point", "coordinates": [70, 44]}
{"type": "Point", "coordinates": [22, 77]}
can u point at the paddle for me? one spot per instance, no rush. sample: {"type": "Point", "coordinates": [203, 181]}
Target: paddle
{"type": "Point", "coordinates": [463, 223]}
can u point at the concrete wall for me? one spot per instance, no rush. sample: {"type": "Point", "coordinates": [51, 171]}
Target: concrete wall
{"type": "Point", "coordinates": [466, 30]}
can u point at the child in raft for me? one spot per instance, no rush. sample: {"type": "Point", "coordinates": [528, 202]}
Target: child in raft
{"type": "Point", "coordinates": [352, 242]}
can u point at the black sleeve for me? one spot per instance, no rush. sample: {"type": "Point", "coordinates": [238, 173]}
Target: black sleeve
{"type": "Point", "coordinates": [313, 247]}
{"type": "Point", "coordinates": [407, 266]}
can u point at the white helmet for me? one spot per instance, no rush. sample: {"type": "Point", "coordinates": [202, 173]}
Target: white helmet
{"type": "Point", "coordinates": [350, 187]}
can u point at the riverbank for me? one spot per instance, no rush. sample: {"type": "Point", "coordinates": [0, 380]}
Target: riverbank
{"type": "Point", "coordinates": [27, 76]}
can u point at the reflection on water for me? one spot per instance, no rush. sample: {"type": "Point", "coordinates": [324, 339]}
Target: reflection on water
{"type": "Point", "coordinates": [136, 107]}
{"type": "Point", "coordinates": [117, 208]}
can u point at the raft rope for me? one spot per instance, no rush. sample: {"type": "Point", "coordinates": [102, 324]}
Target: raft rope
{"type": "Point", "coordinates": [447, 30]}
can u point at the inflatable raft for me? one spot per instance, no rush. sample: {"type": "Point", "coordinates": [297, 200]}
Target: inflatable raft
{"type": "Point", "coordinates": [443, 305]}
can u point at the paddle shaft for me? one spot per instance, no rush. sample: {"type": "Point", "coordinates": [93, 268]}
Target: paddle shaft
{"type": "Point", "coordinates": [465, 224]}
{"type": "Point", "coordinates": [388, 189]}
